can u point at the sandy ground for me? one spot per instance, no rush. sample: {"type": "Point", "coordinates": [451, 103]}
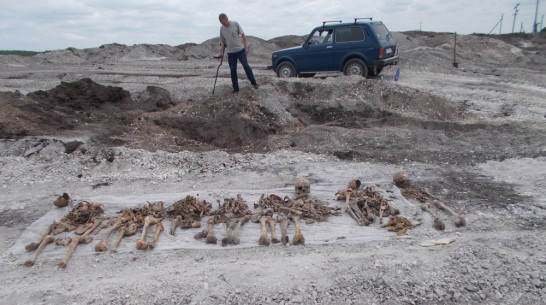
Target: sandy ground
{"type": "Point", "coordinates": [475, 136]}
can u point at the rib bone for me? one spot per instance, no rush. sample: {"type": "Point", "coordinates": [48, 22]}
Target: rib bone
{"type": "Point", "coordinates": [78, 239]}
{"type": "Point", "coordinates": [103, 244]}
{"type": "Point", "coordinates": [47, 240]}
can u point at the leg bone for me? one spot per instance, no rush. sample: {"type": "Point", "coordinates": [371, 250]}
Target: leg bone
{"type": "Point", "coordinates": [47, 240]}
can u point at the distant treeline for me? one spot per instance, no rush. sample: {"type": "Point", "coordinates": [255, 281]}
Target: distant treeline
{"type": "Point", "coordinates": [18, 52]}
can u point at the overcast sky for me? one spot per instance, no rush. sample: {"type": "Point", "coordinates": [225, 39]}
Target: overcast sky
{"type": "Point", "coordinates": [41, 25]}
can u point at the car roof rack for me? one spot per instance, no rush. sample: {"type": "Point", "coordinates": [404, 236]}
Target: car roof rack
{"type": "Point", "coordinates": [364, 18]}
{"type": "Point", "coordinates": [325, 22]}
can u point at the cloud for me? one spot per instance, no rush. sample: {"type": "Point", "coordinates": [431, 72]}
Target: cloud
{"type": "Point", "coordinates": [47, 24]}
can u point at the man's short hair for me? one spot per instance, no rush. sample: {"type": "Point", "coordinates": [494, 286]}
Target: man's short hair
{"type": "Point", "coordinates": [222, 16]}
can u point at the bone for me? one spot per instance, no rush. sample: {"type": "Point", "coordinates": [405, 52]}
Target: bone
{"type": "Point", "coordinates": [231, 225]}
{"type": "Point", "coordinates": [127, 230]}
{"type": "Point", "coordinates": [59, 227]}
{"type": "Point", "coordinates": [35, 245]}
{"type": "Point", "coordinates": [284, 225]}
{"type": "Point", "coordinates": [82, 228]}
{"type": "Point", "coordinates": [78, 239]}
{"type": "Point", "coordinates": [63, 242]}
{"type": "Point", "coordinates": [62, 201]}
{"type": "Point", "coordinates": [382, 209]}
{"type": "Point", "coordinates": [142, 240]}
{"type": "Point", "coordinates": [159, 228]}
{"type": "Point", "coordinates": [437, 223]}
{"type": "Point", "coordinates": [103, 244]}
{"type": "Point", "coordinates": [210, 239]}
{"type": "Point", "coordinates": [201, 235]}
{"type": "Point", "coordinates": [255, 218]}
{"type": "Point", "coordinates": [459, 220]}
{"type": "Point", "coordinates": [264, 239]}
{"type": "Point", "coordinates": [47, 240]}
{"type": "Point", "coordinates": [274, 238]}
{"type": "Point", "coordinates": [234, 237]}
{"type": "Point", "coordinates": [149, 220]}
{"type": "Point", "coordinates": [175, 223]}
{"type": "Point", "coordinates": [298, 237]}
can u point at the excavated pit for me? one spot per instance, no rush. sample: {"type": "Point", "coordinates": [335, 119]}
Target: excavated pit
{"type": "Point", "coordinates": [350, 118]}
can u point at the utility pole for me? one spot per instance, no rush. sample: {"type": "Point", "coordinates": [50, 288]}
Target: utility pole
{"type": "Point", "coordinates": [502, 18]}
{"type": "Point", "coordinates": [535, 24]}
{"type": "Point", "coordinates": [515, 14]}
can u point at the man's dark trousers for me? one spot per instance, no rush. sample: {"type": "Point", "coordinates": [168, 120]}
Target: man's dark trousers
{"type": "Point", "coordinates": [232, 60]}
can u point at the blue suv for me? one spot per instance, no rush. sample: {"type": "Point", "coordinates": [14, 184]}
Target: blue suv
{"type": "Point", "coordinates": [356, 48]}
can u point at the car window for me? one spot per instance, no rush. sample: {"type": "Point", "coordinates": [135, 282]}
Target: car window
{"type": "Point", "coordinates": [354, 33]}
{"type": "Point", "coordinates": [381, 31]}
{"type": "Point", "coordinates": [322, 36]}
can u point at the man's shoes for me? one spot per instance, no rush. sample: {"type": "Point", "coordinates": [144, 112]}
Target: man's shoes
{"type": "Point", "coordinates": [256, 86]}
{"type": "Point", "coordinates": [235, 91]}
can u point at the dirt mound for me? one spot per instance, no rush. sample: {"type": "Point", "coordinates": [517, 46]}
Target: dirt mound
{"type": "Point", "coordinates": [82, 95]}
{"type": "Point", "coordinates": [288, 41]}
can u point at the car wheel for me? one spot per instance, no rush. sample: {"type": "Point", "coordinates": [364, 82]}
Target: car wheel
{"type": "Point", "coordinates": [286, 69]}
{"type": "Point", "coordinates": [355, 66]}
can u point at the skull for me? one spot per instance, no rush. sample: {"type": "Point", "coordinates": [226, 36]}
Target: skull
{"type": "Point", "coordinates": [302, 187]}
{"type": "Point", "coordinates": [402, 179]}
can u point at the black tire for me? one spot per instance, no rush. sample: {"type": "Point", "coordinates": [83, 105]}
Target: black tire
{"type": "Point", "coordinates": [286, 69]}
{"type": "Point", "coordinates": [355, 66]}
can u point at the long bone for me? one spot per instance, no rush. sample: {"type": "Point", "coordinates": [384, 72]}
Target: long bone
{"type": "Point", "coordinates": [127, 230]}
{"type": "Point", "coordinates": [437, 223]}
{"type": "Point", "coordinates": [274, 238]}
{"type": "Point", "coordinates": [85, 238]}
{"type": "Point", "coordinates": [459, 220]}
{"type": "Point", "coordinates": [149, 220]}
{"type": "Point", "coordinates": [284, 226]}
{"type": "Point", "coordinates": [231, 224]}
{"type": "Point", "coordinates": [103, 244]}
{"type": "Point", "coordinates": [47, 240]}
{"type": "Point", "coordinates": [175, 223]}
{"type": "Point", "coordinates": [159, 228]}
{"type": "Point", "coordinates": [234, 237]}
{"type": "Point", "coordinates": [210, 239]}
{"type": "Point", "coordinates": [298, 237]}
{"type": "Point", "coordinates": [264, 239]}
{"type": "Point", "coordinates": [35, 245]}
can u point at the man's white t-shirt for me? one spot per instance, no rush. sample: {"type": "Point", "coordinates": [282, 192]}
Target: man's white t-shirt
{"type": "Point", "coordinates": [231, 37]}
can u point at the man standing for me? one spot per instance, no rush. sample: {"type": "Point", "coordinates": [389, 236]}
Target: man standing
{"type": "Point", "coordinates": [233, 40]}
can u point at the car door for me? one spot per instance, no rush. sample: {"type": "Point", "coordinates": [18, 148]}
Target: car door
{"type": "Point", "coordinates": [352, 40]}
{"type": "Point", "coordinates": [318, 51]}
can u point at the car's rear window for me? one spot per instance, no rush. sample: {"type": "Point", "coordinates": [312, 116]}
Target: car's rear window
{"type": "Point", "coordinates": [381, 31]}
{"type": "Point", "coordinates": [354, 33]}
